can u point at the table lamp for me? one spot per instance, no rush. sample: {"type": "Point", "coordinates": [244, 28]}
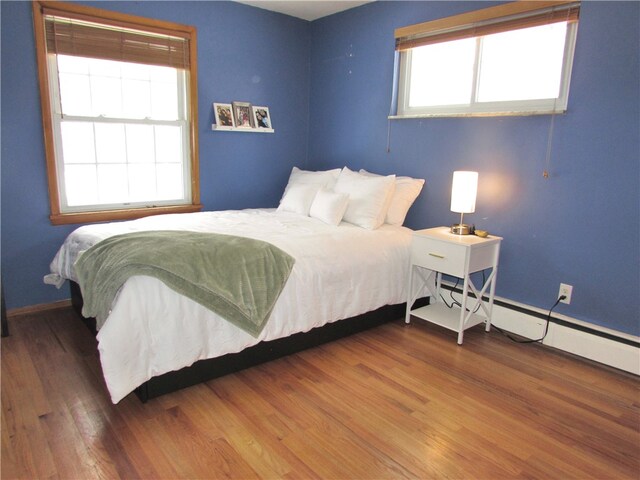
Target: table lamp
{"type": "Point", "coordinates": [463, 198]}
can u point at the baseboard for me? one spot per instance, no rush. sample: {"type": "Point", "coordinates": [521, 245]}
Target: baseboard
{"type": "Point", "coordinates": [603, 345]}
{"type": "Point", "coordinates": [42, 307]}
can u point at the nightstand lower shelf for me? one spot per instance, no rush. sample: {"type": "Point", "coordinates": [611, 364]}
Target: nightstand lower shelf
{"type": "Point", "coordinates": [446, 317]}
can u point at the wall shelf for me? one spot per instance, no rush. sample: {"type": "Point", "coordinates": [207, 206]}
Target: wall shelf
{"type": "Point", "coordinates": [215, 128]}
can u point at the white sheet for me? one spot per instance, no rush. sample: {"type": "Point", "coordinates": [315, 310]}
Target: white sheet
{"type": "Point", "coordinates": [340, 272]}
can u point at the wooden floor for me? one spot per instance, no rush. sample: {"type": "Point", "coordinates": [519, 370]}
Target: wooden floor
{"type": "Point", "coordinates": [397, 401]}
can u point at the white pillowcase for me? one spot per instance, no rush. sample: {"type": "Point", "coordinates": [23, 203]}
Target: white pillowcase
{"type": "Point", "coordinates": [298, 201]}
{"type": "Point", "coordinates": [298, 198]}
{"type": "Point", "coordinates": [406, 191]}
{"type": "Point", "coordinates": [369, 197]}
{"type": "Point", "coordinates": [329, 206]}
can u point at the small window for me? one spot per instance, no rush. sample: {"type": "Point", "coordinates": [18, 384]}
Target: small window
{"type": "Point", "coordinates": [497, 61]}
{"type": "Point", "coordinates": [120, 106]}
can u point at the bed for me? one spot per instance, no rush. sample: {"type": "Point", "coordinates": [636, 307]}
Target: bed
{"type": "Point", "coordinates": [155, 340]}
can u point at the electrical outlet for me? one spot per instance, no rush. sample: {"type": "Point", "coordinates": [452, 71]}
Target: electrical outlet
{"type": "Point", "coordinates": [565, 290]}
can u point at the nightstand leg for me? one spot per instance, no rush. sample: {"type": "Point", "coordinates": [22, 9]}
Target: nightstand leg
{"type": "Point", "coordinates": [410, 299]}
{"type": "Point", "coordinates": [438, 286]}
{"type": "Point", "coordinates": [492, 291]}
{"type": "Point", "coordinates": [463, 309]}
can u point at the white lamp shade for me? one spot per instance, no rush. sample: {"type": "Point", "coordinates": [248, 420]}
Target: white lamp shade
{"type": "Point", "coordinates": [463, 192]}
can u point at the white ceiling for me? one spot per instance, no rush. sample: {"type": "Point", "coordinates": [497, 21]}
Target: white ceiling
{"type": "Point", "coordinates": [305, 9]}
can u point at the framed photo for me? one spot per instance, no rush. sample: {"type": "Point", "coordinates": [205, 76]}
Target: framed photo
{"type": "Point", "coordinates": [242, 115]}
{"type": "Point", "coordinates": [262, 117]}
{"type": "Point", "coordinates": [224, 114]}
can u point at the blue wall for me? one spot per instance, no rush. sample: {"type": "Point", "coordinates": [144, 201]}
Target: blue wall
{"type": "Point", "coordinates": [244, 54]}
{"type": "Point", "coordinates": [581, 226]}
{"type": "Point", "coordinates": [328, 85]}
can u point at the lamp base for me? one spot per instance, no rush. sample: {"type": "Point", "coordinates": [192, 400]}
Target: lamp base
{"type": "Point", "coordinates": [460, 229]}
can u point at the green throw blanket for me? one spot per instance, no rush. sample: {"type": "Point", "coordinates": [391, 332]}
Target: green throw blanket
{"type": "Point", "coordinates": [238, 278]}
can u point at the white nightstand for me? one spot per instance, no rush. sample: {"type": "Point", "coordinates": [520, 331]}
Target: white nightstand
{"type": "Point", "coordinates": [435, 251]}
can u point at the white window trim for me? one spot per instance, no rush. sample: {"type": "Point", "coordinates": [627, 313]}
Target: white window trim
{"type": "Point", "coordinates": [476, 109]}
{"type": "Point", "coordinates": [58, 118]}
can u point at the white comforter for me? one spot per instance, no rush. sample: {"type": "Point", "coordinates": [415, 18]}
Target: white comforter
{"type": "Point", "coordinates": [339, 272]}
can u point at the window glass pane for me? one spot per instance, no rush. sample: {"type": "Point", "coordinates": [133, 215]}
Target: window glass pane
{"type": "Point", "coordinates": [163, 74]}
{"type": "Point", "coordinates": [136, 98]}
{"type": "Point", "coordinates": [113, 186]}
{"type": "Point", "coordinates": [436, 79]}
{"type": "Point", "coordinates": [168, 144]}
{"type": "Point", "coordinates": [69, 64]}
{"type": "Point", "coordinates": [110, 143]}
{"type": "Point", "coordinates": [135, 71]}
{"type": "Point", "coordinates": [142, 182]}
{"type": "Point", "coordinates": [77, 142]}
{"type": "Point", "coordinates": [105, 68]}
{"type": "Point", "coordinates": [117, 89]}
{"type": "Point", "coordinates": [164, 102]}
{"type": "Point", "coordinates": [81, 186]}
{"type": "Point", "coordinates": [106, 95]}
{"type": "Point", "coordinates": [522, 64]}
{"type": "Point", "coordinates": [75, 93]}
{"type": "Point", "coordinates": [140, 145]}
{"type": "Point", "coordinates": [169, 181]}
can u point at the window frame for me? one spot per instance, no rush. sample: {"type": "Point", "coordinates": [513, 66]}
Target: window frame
{"type": "Point", "coordinates": [475, 108]}
{"type": "Point", "coordinates": [58, 119]}
{"type": "Point", "coordinates": [57, 215]}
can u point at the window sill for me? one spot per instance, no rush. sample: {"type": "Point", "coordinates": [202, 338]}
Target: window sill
{"type": "Point", "coordinates": [476, 114]}
{"type": "Point", "coordinates": [114, 215]}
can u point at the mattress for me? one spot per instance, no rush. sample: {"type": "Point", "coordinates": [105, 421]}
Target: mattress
{"type": "Point", "coordinates": [340, 272]}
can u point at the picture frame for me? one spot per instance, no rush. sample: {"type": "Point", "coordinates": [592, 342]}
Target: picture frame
{"type": "Point", "coordinates": [243, 115]}
{"type": "Point", "coordinates": [262, 117]}
{"type": "Point", "coordinates": [224, 114]}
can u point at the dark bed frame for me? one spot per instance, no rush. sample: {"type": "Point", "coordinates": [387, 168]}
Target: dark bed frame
{"type": "Point", "coordinates": [204, 370]}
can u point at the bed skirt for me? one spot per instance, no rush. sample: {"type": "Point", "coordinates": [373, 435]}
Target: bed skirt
{"type": "Point", "coordinates": [204, 370]}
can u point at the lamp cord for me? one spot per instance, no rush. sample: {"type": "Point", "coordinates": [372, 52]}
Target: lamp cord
{"type": "Point", "coordinates": [455, 302]}
{"type": "Point", "coordinates": [546, 327]}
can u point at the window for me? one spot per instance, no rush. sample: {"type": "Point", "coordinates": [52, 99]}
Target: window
{"type": "Point", "coordinates": [514, 59]}
{"type": "Point", "coordinates": [119, 112]}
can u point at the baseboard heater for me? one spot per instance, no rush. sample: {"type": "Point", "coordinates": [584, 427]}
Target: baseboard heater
{"type": "Point", "coordinates": [552, 319]}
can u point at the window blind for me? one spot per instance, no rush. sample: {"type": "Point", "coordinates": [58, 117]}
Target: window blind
{"type": "Point", "coordinates": [502, 18]}
{"type": "Point", "coordinates": [69, 35]}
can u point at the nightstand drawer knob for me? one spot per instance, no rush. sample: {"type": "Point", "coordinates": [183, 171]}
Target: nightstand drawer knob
{"type": "Point", "coordinates": [436, 255]}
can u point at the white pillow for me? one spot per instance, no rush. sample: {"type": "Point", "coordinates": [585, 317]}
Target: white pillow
{"type": "Point", "coordinates": [326, 178]}
{"type": "Point", "coordinates": [329, 206]}
{"type": "Point", "coordinates": [406, 192]}
{"type": "Point", "coordinates": [318, 180]}
{"type": "Point", "coordinates": [369, 197]}
{"type": "Point", "coordinates": [298, 198]}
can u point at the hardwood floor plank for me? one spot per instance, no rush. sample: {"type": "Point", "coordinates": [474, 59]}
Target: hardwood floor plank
{"type": "Point", "coordinates": [530, 411]}
{"type": "Point", "coordinates": [373, 425]}
{"type": "Point", "coordinates": [174, 449]}
{"type": "Point", "coordinates": [23, 402]}
{"type": "Point", "coordinates": [240, 438]}
{"type": "Point", "coordinates": [67, 446]}
{"type": "Point", "coordinates": [139, 438]}
{"type": "Point", "coordinates": [397, 401]}
{"type": "Point", "coordinates": [22, 377]}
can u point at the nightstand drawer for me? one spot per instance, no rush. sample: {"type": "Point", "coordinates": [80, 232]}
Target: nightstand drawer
{"type": "Point", "coordinates": [444, 257]}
